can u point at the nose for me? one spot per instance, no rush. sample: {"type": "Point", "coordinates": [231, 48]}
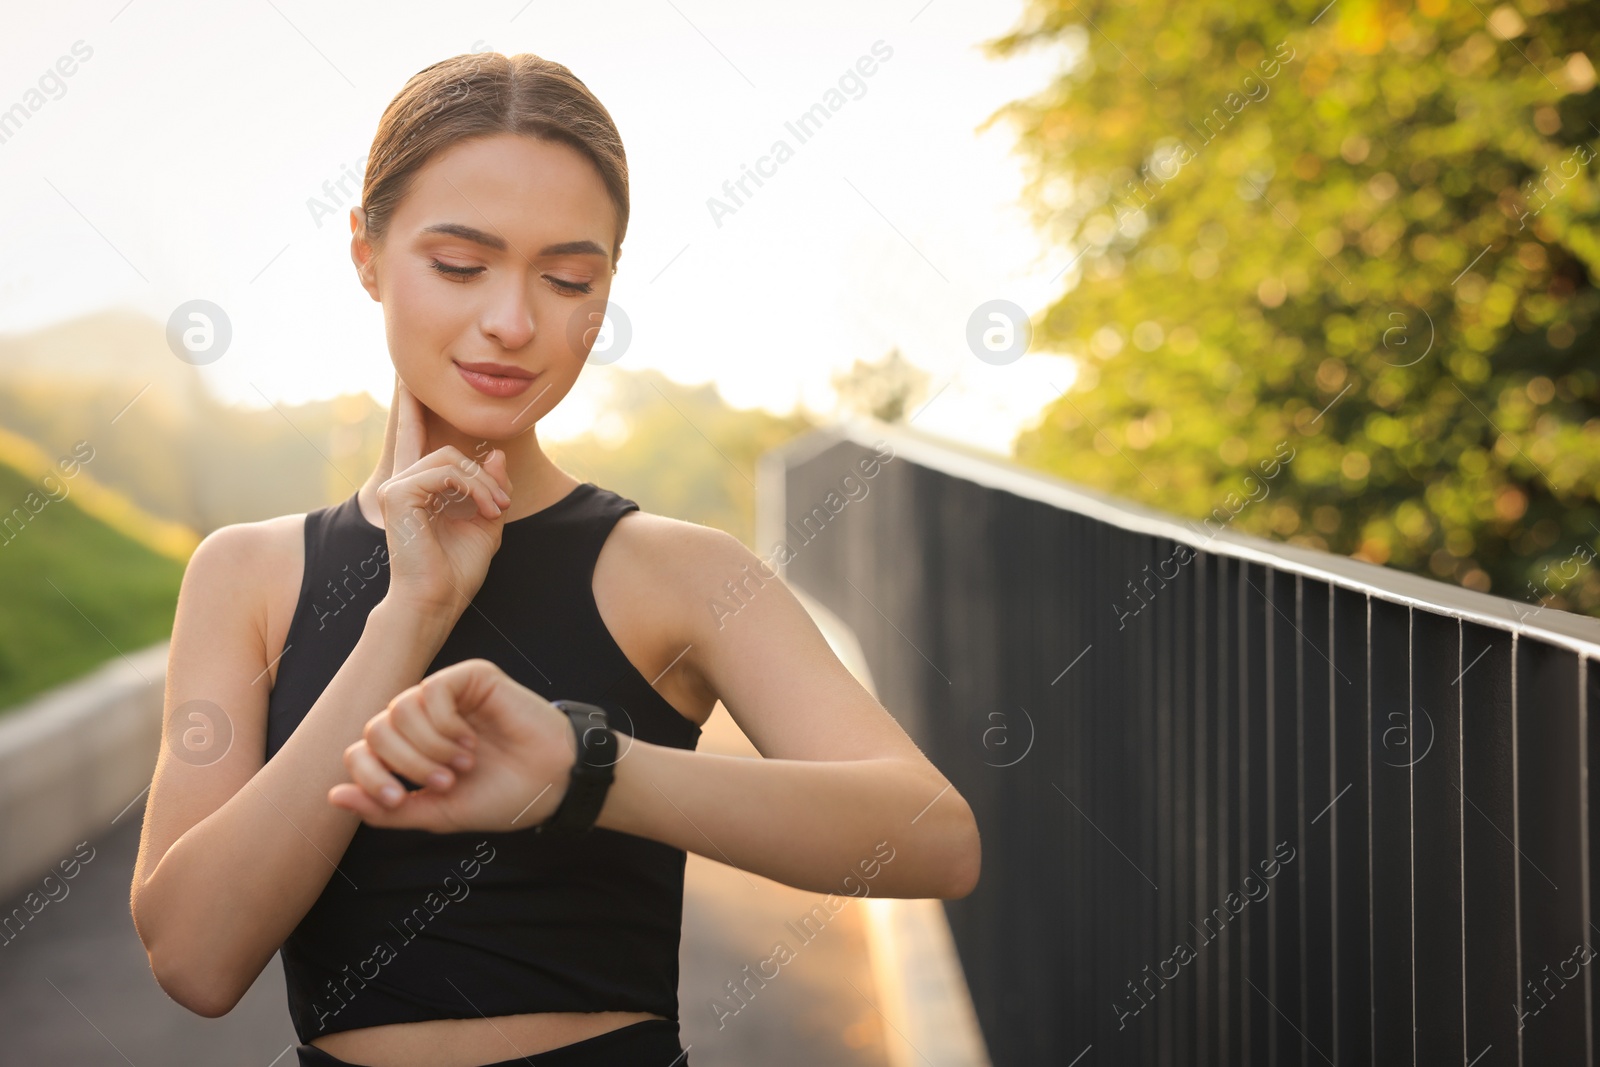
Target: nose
{"type": "Point", "coordinates": [508, 315]}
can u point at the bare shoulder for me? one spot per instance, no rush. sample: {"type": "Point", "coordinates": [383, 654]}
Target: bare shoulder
{"type": "Point", "coordinates": [237, 558]}
{"type": "Point", "coordinates": [254, 566]}
{"type": "Point", "coordinates": [675, 545]}
{"type": "Point", "coordinates": [748, 641]}
{"type": "Point", "coordinates": [274, 540]}
{"type": "Point", "coordinates": [654, 578]}
{"type": "Point", "coordinates": [684, 562]}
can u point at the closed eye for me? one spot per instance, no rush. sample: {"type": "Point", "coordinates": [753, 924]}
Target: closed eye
{"type": "Point", "coordinates": [455, 273]}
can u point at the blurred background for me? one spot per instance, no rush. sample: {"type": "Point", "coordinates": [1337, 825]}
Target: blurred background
{"type": "Point", "coordinates": [1320, 273]}
{"type": "Point", "coordinates": [206, 153]}
{"type": "Point", "coordinates": [1368, 228]}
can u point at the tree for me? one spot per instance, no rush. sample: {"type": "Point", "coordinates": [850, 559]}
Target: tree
{"type": "Point", "coordinates": [884, 389]}
{"type": "Point", "coordinates": [1360, 234]}
{"type": "Point", "coordinates": [684, 451]}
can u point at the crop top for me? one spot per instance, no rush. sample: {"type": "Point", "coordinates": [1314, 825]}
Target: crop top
{"type": "Point", "coordinates": [415, 925]}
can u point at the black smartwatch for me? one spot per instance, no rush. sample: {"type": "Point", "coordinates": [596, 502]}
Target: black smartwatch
{"type": "Point", "coordinates": [592, 772]}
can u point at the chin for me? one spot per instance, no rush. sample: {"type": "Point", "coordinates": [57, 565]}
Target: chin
{"type": "Point", "coordinates": [485, 418]}
{"type": "Point", "coordinates": [470, 413]}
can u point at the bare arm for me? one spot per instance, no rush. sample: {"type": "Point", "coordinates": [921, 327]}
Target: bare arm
{"type": "Point", "coordinates": [234, 853]}
{"type": "Point", "coordinates": [844, 800]}
{"type": "Point", "coordinates": [883, 827]}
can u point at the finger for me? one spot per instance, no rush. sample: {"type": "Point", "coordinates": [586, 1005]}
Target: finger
{"type": "Point", "coordinates": [370, 773]}
{"type": "Point", "coordinates": [426, 491]}
{"type": "Point", "coordinates": [426, 716]}
{"type": "Point", "coordinates": [495, 464]}
{"type": "Point", "coordinates": [447, 458]}
{"type": "Point", "coordinates": [417, 811]}
{"type": "Point", "coordinates": [466, 494]}
{"type": "Point", "coordinates": [455, 736]}
{"type": "Point", "coordinates": [352, 797]}
{"type": "Point", "coordinates": [493, 471]}
{"type": "Point", "coordinates": [406, 743]}
{"type": "Point", "coordinates": [519, 719]}
{"type": "Point", "coordinates": [497, 490]}
{"type": "Point", "coordinates": [476, 683]}
{"type": "Point", "coordinates": [480, 472]}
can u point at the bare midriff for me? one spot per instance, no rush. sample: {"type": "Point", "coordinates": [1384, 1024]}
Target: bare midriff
{"type": "Point", "coordinates": [471, 1042]}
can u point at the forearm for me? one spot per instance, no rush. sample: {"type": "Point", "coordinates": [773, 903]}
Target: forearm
{"type": "Point", "coordinates": [807, 823]}
{"type": "Point", "coordinates": [230, 890]}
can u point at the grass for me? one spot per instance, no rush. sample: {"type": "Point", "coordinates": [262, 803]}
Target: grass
{"type": "Point", "coordinates": [74, 591]}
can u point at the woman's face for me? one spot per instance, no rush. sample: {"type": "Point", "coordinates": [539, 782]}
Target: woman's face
{"type": "Point", "coordinates": [498, 254]}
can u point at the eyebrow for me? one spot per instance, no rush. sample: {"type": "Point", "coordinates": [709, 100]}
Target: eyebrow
{"type": "Point", "coordinates": [498, 243]}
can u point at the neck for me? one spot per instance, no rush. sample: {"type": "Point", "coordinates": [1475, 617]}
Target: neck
{"type": "Point", "coordinates": [536, 482]}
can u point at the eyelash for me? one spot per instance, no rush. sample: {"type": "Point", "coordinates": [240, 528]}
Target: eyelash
{"type": "Point", "coordinates": [461, 274]}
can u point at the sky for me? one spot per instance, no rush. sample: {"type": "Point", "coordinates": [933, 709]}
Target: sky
{"type": "Point", "coordinates": [194, 153]}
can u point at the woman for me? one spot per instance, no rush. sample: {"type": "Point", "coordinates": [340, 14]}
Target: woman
{"type": "Point", "coordinates": [409, 841]}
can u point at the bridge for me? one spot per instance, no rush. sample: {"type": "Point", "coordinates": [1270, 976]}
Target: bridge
{"type": "Point", "coordinates": [1241, 803]}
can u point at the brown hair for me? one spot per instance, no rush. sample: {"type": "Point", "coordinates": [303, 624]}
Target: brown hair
{"type": "Point", "coordinates": [478, 94]}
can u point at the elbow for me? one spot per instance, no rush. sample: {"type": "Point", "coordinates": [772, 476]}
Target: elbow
{"type": "Point", "coordinates": [967, 858]}
{"type": "Point", "coordinates": [192, 987]}
{"type": "Point", "coordinates": [965, 875]}
{"type": "Point", "coordinates": [185, 977]}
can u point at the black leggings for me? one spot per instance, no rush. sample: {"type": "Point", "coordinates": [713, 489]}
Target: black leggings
{"type": "Point", "coordinates": [647, 1043]}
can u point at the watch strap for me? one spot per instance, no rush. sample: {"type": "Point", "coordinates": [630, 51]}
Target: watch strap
{"type": "Point", "coordinates": [592, 771]}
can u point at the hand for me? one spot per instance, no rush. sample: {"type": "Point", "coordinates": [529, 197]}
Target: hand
{"type": "Point", "coordinates": [442, 514]}
{"type": "Point", "coordinates": [512, 752]}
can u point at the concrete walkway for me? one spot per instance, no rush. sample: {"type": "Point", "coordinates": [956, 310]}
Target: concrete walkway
{"type": "Point", "coordinates": [816, 1010]}
{"type": "Point", "coordinates": [76, 988]}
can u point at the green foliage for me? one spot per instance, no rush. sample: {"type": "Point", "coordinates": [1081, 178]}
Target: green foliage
{"type": "Point", "coordinates": [886, 390]}
{"type": "Point", "coordinates": [76, 593]}
{"type": "Point", "coordinates": [1367, 235]}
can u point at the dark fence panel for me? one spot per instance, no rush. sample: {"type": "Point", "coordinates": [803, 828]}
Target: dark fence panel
{"type": "Point", "coordinates": [1433, 766]}
{"type": "Point", "coordinates": [1241, 803]}
{"type": "Point", "coordinates": [1489, 882]}
{"type": "Point", "coordinates": [1554, 910]}
{"type": "Point", "coordinates": [1349, 818]}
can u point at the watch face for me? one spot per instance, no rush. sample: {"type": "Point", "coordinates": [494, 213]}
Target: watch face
{"type": "Point", "coordinates": [597, 741]}
{"type": "Point", "coordinates": [580, 705]}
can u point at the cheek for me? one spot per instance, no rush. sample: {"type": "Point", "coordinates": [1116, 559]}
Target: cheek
{"type": "Point", "coordinates": [575, 330]}
{"type": "Point", "coordinates": [582, 328]}
{"type": "Point", "coordinates": [421, 316]}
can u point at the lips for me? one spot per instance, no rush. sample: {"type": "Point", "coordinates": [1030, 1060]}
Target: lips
{"type": "Point", "coordinates": [496, 379]}
{"type": "Point", "coordinates": [500, 370]}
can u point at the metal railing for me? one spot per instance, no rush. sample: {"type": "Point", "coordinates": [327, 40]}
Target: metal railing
{"type": "Point", "coordinates": [1241, 802]}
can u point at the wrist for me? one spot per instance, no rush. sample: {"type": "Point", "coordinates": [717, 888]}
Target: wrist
{"type": "Point", "coordinates": [632, 800]}
{"type": "Point", "coordinates": [426, 626]}
{"type": "Point", "coordinates": [589, 758]}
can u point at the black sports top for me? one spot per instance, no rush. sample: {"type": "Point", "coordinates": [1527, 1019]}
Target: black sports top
{"type": "Point", "coordinates": [415, 925]}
